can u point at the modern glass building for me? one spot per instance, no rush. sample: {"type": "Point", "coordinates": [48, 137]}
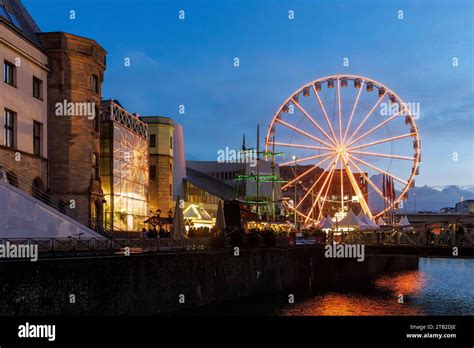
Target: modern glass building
{"type": "Point", "coordinates": [124, 167]}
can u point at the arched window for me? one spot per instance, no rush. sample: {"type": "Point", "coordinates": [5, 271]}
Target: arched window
{"type": "Point", "coordinates": [37, 188]}
{"type": "Point", "coordinates": [12, 179]}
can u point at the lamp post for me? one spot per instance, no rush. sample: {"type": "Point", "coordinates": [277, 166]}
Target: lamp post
{"type": "Point", "coordinates": [294, 202]}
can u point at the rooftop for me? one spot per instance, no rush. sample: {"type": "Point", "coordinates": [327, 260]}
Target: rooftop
{"type": "Point", "coordinates": [209, 184]}
{"type": "Point", "coordinates": [157, 120]}
{"type": "Point", "coordinates": [15, 15]}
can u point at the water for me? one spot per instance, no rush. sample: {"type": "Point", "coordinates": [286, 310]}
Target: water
{"type": "Point", "coordinates": [437, 287]}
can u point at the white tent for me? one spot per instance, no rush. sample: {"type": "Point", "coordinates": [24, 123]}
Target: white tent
{"type": "Point", "coordinates": [351, 220]}
{"type": "Point", "coordinates": [326, 223]}
{"type": "Point", "coordinates": [365, 219]}
{"type": "Point", "coordinates": [220, 219]}
{"type": "Point", "coordinates": [404, 221]}
{"type": "Point", "coordinates": [178, 229]}
{"type": "Point", "coordinates": [381, 222]}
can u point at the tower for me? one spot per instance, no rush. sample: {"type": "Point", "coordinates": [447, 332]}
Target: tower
{"type": "Point", "coordinates": [77, 66]}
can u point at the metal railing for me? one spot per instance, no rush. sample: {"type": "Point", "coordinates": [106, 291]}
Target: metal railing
{"type": "Point", "coordinates": [136, 245]}
{"type": "Point", "coordinates": [409, 237]}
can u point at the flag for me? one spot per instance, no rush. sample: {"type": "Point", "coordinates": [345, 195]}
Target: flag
{"type": "Point", "coordinates": [393, 193]}
{"type": "Point", "coordinates": [388, 188]}
{"type": "Point", "coordinates": [383, 186]}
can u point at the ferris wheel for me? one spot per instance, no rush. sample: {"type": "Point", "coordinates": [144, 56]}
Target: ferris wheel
{"type": "Point", "coordinates": [345, 138]}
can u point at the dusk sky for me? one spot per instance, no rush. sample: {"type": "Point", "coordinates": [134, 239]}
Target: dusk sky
{"type": "Point", "coordinates": [190, 62]}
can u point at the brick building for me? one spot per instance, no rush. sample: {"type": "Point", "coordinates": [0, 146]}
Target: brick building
{"type": "Point", "coordinates": [77, 66]}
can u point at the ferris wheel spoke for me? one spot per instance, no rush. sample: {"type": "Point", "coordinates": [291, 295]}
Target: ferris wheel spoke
{"type": "Point", "coordinates": [382, 141]}
{"type": "Point", "coordinates": [301, 146]}
{"type": "Point", "coordinates": [367, 116]}
{"type": "Point", "coordinates": [314, 185]}
{"type": "Point", "coordinates": [325, 196]}
{"type": "Point", "coordinates": [321, 105]}
{"type": "Point", "coordinates": [375, 128]}
{"type": "Point", "coordinates": [304, 159]}
{"type": "Point", "coordinates": [378, 170]}
{"type": "Point", "coordinates": [353, 111]}
{"type": "Point", "coordinates": [289, 183]}
{"type": "Point", "coordinates": [357, 190]}
{"type": "Point", "coordinates": [371, 183]}
{"type": "Point", "coordinates": [321, 190]}
{"type": "Point", "coordinates": [296, 129]}
{"type": "Point", "coordinates": [339, 109]}
{"type": "Point", "coordinates": [376, 154]}
{"type": "Point", "coordinates": [341, 178]}
{"type": "Point", "coordinates": [308, 116]}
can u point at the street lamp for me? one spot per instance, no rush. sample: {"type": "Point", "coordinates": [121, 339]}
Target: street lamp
{"type": "Point", "coordinates": [294, 202]}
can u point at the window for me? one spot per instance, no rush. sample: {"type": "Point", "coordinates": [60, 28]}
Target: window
{"type": "Point", "coordinates": [171, 142]}
{"type": "Point", "coordinates": [95, 166]}
{"type": "Point", "coordinates": [97, 119]}
{"type": "Point", "coordinates": [37, 88]}
{"type": "Point", "coordinates": [171, 167]}
{"type": "Point", "coordinates": [95, 84]}
{"type": "Point", "coordinates": [171, 189]}
{"type": "Point", "coordinates": [9, 126]}
{"type": "Point", "coordinates": [152, 172]}
{"type": "Point", "coordinates": [37, 130]}
{"type": "Point", "coordinates": [152, 140]}
{"type": "Point", "coordinates": [14, 20]}
{"type": "Point", "coordinates": [9, 73]}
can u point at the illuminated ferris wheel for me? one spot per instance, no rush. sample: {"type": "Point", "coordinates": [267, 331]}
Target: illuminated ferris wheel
{"type": "Point", "coordinates": [346, 125]}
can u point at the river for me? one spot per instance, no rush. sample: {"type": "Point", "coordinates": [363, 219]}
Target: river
{"type": "Point", "coordinates": [437, 287]}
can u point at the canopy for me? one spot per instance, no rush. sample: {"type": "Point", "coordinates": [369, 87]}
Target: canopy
{"type": "Point", "coordinates": [381, 222]}
{"type": "Point", "coordinates": [351, 220]}
{"type": "Point", "coordinates": [365, 219]}
{"type": "Point", "coordinates": [178, 229]}
{"type": "Point", "coordinates": [326, 223]}
{"type": "Point", "coordinates": [404, 221]}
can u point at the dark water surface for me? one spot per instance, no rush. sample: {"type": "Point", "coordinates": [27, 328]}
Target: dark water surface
{"type": "Point", "coordinates": [438, 287]}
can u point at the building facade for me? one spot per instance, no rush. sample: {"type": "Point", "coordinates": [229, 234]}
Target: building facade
{"type": "Point", "coordinates": [161, 147]}
{"type": "Point", "coordinates": [124, 167]}
{"type": "Point", "coordinates": [77, 66]}
{"type": "Point", "coordinates": [23, 95]}
{"type": "Point", "coordinates": [465, 207]}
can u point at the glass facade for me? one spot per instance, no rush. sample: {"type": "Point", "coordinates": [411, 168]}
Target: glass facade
{"type": "Point", "coordinates": [124, 174]}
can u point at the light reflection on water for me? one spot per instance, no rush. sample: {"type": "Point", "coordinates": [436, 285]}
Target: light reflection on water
{"type": "Point", "coordinates": [438, 287]}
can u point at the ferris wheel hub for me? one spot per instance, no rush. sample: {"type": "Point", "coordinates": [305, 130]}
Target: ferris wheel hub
{"type": "Point", "coordinates": [341, 150]}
